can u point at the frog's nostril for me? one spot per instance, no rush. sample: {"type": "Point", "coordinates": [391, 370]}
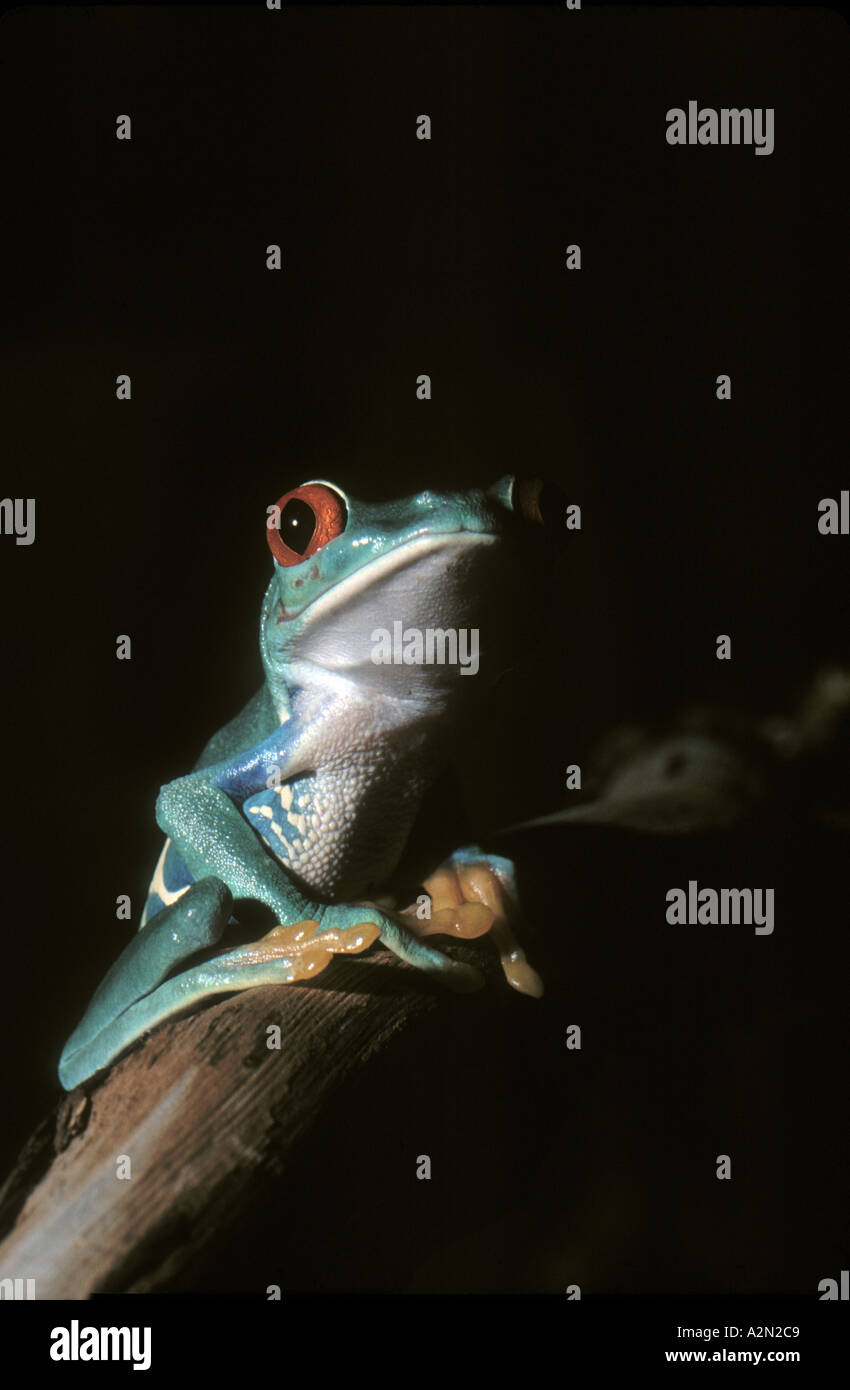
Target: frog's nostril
{"type": "Point", "coordinates": [675, 764]}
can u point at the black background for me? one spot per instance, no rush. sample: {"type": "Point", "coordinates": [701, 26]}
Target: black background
{"type": "Point", "coordinates": [402, 257]}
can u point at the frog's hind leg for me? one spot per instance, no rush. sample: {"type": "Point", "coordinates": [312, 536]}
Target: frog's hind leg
{"type": "Point", "coordinates": [285, 954]}
{"type": "Point", "coordinates": [195, 921]}
{"type": "Point", "coordinates": [135, 996]}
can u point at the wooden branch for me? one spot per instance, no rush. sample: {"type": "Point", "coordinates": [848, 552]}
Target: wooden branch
{"type": "Point", "coordinates": [202, 1109]}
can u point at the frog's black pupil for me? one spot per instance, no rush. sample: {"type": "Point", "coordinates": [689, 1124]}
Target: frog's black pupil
{"type": "Point", "coordinates": [297, 524]}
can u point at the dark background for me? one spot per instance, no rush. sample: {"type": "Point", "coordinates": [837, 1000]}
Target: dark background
{"type": "Point", "coordinates": [402, 257]}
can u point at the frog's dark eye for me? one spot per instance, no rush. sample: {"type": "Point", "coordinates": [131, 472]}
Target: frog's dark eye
{"type": "Point", "coordinates": [540, 502]}
{"type": "Point", "coordinates": [303, 521]}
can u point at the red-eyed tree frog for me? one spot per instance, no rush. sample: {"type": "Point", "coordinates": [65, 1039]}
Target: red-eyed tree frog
{"type": "Point", "coordinates": [382, 629]}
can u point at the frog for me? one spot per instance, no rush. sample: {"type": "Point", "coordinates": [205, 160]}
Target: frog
{"type": "Point", "coordinates": [304, 803]}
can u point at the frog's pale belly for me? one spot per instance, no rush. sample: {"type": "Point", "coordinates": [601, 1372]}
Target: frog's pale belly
{"type": "Point", "coordinates": [341, 831]}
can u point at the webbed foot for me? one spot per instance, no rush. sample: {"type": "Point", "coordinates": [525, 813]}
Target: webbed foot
{"type": "Point", "coordinates": [473, 893]}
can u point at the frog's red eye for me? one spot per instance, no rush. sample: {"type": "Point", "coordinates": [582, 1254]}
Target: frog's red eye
{"type": "Point", "coordinates": [310, 516]}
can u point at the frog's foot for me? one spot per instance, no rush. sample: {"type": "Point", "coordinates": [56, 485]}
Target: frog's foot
{"type": "Point", "coordinates": [301, 951]}
{"type": "Point", "coordinates": [473, 893]}
{"type": "Point", "coordinates": [339, 928]}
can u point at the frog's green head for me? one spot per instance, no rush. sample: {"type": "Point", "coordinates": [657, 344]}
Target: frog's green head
{"type": "Point", "coordinates": [355, 582]}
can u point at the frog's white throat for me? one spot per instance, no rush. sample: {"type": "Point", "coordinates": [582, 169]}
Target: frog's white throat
{"type": "Point", "coordinates": [433, 583]}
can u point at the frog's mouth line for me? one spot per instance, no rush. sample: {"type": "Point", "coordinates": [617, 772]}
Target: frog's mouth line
{"type": "Point", "coordinates": [373, 571]}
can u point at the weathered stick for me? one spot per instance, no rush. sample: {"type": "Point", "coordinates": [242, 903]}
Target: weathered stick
{"type": "Point", "coordinates": [202, 1109]}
